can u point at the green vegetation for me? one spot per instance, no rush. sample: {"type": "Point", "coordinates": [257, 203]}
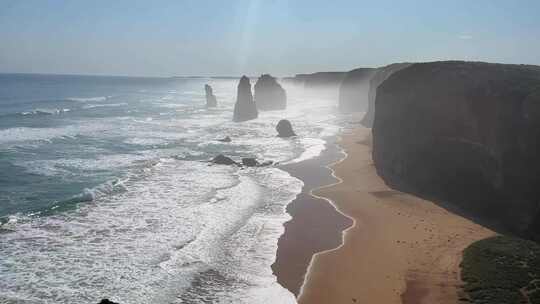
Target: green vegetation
{"type": "Point", "coordinates": [502, 270]}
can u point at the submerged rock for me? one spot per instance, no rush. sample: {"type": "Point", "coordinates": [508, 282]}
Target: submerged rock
{"type": "Point", "coordinates": [223, 160]}
{"type": "Point", "coordinates": [107, 301]}
{"type": "Point", "coordinates": [211, 100]}
{"type": "Point", "coordinates": [250, 162]}
{"type": "Point", "coordinates": [269, 95]}
{"type": "Point", "coordinates": [466, 133]}
{"type": "Point", "coordinates": [284, 128]}
{"type": "Point", "coordinates": [225, 139]}
{"type": "Point", "coordinates": [244, 108]}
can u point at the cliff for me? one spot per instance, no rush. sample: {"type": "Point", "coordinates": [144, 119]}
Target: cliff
{"type": "Point", "coordinates": [465, 133]}
{"type": "Point", "coordinates": [354, 89]}
{"type": "Point", "coordinates": [379, 76]}
{"type": "Point", "coordinates": [318, 80]}
{"type": "Point", "coordinates": [211, 100]}
{"type": "Point", "coordinates": [269, 95]}
{"type": "Point", "coordinates": [244, 108]}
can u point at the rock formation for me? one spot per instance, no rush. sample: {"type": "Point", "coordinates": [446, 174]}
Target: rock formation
{"type": "Point", "coordinates": [284, 128]}
{"type": "Point", "coordinates": [466, 133]}
{"type": "Point", "coordinates": [379, 77]}
{"type": "Point", "coordinates": [211, 100]}
{"type": "Point", "coordinates": [244, 108]}
{"type": "Point", "coordinates": [223, 160]}
{"type": "Point", "coordinates": [269, 95]}
{"type": "Point", "coordinates": [354, 90]}
{"type": "Point", "coordinates": [226, 139]}
{"type": "Point", "coordinates": [250, 162]}
{"type": "Point", "coordinates": [107, 301]}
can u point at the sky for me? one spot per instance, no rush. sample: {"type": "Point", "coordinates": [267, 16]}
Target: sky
{"type": "Point", "coordinates": [281, 37]}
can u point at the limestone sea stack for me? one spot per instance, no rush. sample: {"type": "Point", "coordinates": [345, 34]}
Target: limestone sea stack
{"type": "Point", "coordinates": [244, 108]}
{"type": "Point", "coordinates": [269, 95]}
{"type": "Point", "coordinates": [354, 90]}
{"type": "Point", "coordinates": [464, 133]}
{"type": "Point", "coordinates": [285, 129]}
{"type": "Point", "coordinates": [379, 77]}
{"type": "Point", "coordinates": [211, 100]}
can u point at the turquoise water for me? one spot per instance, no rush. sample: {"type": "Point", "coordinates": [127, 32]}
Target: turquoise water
{"type": "Point", "coordinates": [105, 190]}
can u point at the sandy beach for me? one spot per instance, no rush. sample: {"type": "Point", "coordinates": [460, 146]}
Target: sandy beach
{"type": "Point", "coordinates": [401, 248]}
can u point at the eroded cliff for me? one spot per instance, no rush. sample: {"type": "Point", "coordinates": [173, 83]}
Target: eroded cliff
{"type": "Point", "coordinates": [466, 133]}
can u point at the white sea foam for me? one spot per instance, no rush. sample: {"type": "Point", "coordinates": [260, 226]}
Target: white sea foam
{"type": "Point", "coordinates": [86, 99]}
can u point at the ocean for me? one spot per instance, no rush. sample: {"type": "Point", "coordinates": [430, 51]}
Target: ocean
{"type": "Point", "coordinates": [106, 190]}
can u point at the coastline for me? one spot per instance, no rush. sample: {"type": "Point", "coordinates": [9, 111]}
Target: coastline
{"type": "Point", "coordinates": [315, 224]}
{"type": "Point", "coordinates": [400, 249]}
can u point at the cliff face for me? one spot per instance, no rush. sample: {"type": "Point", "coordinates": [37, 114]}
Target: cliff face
{"type": "Point", "coordinates": [465, 133]}
{"type": "Point", "coordinates": [319, 79]}
{"type": "Point", "coordinates": [244, 108]}
{"type": "Point", "coordinates": [211, 100]}
{"type": "Point", "coordinates": [380, 75]}
{"type": "Point", "coordinates": [354, 89]}
{"type": "Point", "coordinates": [269, 95]}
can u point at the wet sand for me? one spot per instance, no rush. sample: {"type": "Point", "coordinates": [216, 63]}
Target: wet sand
{"type": "Point", "coordinates": [401, 248]}
{"type": "Point", "coordinates": [315, 225]}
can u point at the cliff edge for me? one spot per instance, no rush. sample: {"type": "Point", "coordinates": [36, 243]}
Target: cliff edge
{"type": "Point", "coordinates": [466, 133]}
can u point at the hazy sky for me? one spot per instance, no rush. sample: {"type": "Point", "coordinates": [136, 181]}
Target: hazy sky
{"type": "Point", "coordinates": [282, 37]}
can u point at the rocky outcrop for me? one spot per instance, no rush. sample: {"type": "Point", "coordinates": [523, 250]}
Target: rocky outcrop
{"type": "Point", "coordinates": [465, 133]}
{"type": "Point", "coordinates": [269, 95]}
{"type": "Point", "coordinates": [225, 139]}
{"type": "Point", "coordinates": [223, 160]}
{"type": "Point", "coordinates": [354, 90]}
{"type": "Point", "coordinates": [211, 100]}
{"type": "Point", "coordinates": [284, 128]}
{"type": "Point", "coordinates": [244, 108]}
{"type": "Point", "coordinates": [106, 301]}
{"type": "Point", "coordinates": [379, 77]}
{"type": "Point", "coordinates": [250, 162]}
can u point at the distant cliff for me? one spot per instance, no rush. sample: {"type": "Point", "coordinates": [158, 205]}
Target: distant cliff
{"type": "Point", "coordinates": [269, 95]}
{"type": "Point", "coordinates": [466, 133]}
{"type": "Point", "coordinates": [244, 108]}
{"type": "Point", "coordinates": [354, 89]}
{"type": "Point", "coordinates": [318, 80]}
{"type": "Point", "coordinates": [380, 75]}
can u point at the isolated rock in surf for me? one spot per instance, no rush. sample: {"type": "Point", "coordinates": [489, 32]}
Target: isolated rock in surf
{"type": "Point", "coordinates": [284, 128]}
{"type": "Point", "coordinates": [244, 108]}
{"type": "Point", "coordinates": [211, 100]}
{"type": "Point", "coordinates": [223, 160]}
{"type": "Point", "coordinates": [269, 95]}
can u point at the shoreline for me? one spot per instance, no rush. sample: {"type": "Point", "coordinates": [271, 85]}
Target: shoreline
{"type": "Point", "coordinates": [315, 225]}
{"type": "Point", "coordinates": [400, 248]}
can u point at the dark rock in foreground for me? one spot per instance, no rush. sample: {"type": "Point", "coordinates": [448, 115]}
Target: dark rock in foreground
{"type": "Point", "coordinates": [223, 160]}
{"type": "Point", "coordinates": [211, 100]}
{"type": "Point", "coordinates": [244, 108]}
{"type": "Point", "coordinates": [250, 162]}
{"type": "Point", "coordinates": [376, 80]}
{"type": "Point", "coordinates": [284, 128]}
{"type": "Point", "coordinates": [354, 90]}
{"type": "Point", "coordinates": [269, 95]}
{"type": "Point", "coordinates": [466, 133]}
{"type": "Point", "coordinates": [107, 301]}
